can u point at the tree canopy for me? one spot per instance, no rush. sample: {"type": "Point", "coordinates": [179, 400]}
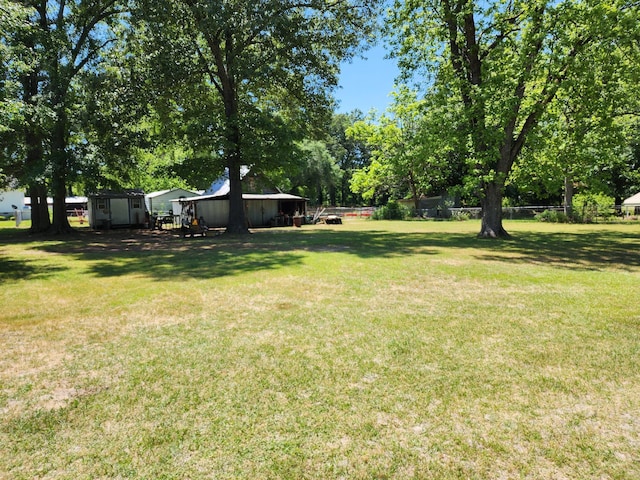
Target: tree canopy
{"type": "Point", "coordinates": [504, 63]}
{"type": "Point", "coordinates": [264, 66]}
{"type": "Point", "coordinates": [509, 97]}
{"type": "Point", "coordinates": [55, 43]}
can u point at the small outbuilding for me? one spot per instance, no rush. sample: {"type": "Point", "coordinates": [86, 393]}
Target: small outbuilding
{"type": "Point", "coordinates": [632, 205]}
{"type": "Point", "coordinates": [117, 210]}
{"type": "Point", "coordinates": [160, 202]}
{"type": "Point", "coordinates": [12, 202]}
{"type": "Point", "coordinates": [262, 210]}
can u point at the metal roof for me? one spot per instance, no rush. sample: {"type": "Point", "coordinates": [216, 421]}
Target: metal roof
{"type": "Point", "coordinates": [164, 192]}
{"type": "Point", "coordinates": [245, 196]}
{"type": "Point", "coordinates": [634, 200]}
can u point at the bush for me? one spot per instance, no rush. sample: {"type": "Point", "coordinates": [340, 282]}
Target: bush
{"type": "Point", "coordinates": [391, 211]}
{"type": "Point", "coordinates": [587, 207]}
{"type": "Point", "coordinates": [552, 216]}
{"type": "Point", "coordinates": [460, 216]}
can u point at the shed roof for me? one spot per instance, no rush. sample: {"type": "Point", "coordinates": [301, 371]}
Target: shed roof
{"type": "Point", "coordinates": [271, 196]}
{"type": "Point", "coordinates": [245, 196]}
{"type": "Point", "coordinates": [114, 194]}
{"type": "Point", "coordinates": [164, 192]}
{"type": "Point", "coordinates": [634, 200]}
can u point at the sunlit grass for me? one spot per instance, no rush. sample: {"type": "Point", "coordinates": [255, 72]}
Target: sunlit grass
{"type": "Point", "coordinates": [363, 350]}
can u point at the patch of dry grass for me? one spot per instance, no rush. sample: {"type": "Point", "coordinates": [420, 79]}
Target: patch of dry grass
{"type": "Point", "coordinates": [364, 350]}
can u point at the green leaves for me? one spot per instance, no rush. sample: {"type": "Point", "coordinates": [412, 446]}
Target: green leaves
{"type": "Point", "coordinates": [412, 154]}
{"type": "Point", "coordinates": [508, 61]}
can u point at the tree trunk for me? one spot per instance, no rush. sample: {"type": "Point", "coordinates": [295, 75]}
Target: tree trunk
{"type": "Point", "coordinates": [237, 223]}
{"type": "Point", "coordinates": [59, 175]}
{"type": "Point", "coordinates": [60, 220]}
{"type": "Point", "coordinates": [34, 162]}
{"type": "Point", "coordinates": [492, 212]}
{"type": "Point", "coordinates": [40, 220]}
{"type": "Point", "coordinates": [568, 196]}
{"type": "Point", "coordinates": [414, 194]}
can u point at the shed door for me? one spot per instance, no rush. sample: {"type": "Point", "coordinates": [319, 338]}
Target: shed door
{"type": "Point", "coordinates": [120, 211]}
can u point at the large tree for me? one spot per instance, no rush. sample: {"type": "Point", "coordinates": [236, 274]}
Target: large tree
{"type": "Point", "coordinates": [351, 155]}
{"type": "Point", "coordinates": [506, 61]}
{"type": "Point", "coordinates": [260, 58]}
{"type": "Point", "coordinates": [63, 39]}
{"type": "Point", "coordinates": [21, 109]}
{"type": "Point", "coordinates": [410, 157]}
{"type": "Point", "coordinates": [319, 173]}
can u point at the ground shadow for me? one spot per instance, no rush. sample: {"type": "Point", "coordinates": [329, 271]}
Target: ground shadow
{"type": "Point", "coordinates": [166, 255]}
{"type": "Point", "coordinates": [582, 250]}
{"type": "Point", "coordinates": [162, 255]}
{"type": "Point", "coordinates": [14, 270]}
{"type": "Point", "coordinates": [576, 251]}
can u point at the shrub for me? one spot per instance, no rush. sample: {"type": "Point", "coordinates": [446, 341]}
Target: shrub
{"type": "Point", "coordinates": [587, 207]}
{"type": "Point", "coordinates": [552, 216]}
{"type": "Point", "coordinates": [391, 211]}
{"type": "Point", "coordinates": [460, 216]}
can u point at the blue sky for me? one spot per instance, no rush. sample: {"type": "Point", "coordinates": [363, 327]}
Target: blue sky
{"type": "Point", "coordinates": [367, 83]}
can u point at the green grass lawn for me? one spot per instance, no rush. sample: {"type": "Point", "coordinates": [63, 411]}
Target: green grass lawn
{"type": "Point", "coordinates": [356, 351]}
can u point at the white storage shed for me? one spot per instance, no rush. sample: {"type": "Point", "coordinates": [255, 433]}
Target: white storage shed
{"type": "Point", "coordinates": [117, 210]}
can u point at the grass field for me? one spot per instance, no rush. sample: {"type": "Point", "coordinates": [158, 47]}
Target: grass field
{"type": "Point", "coordinates": [368, 350]}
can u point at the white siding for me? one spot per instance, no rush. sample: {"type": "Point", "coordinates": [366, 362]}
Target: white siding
{"type": "Point", "coordinates": [214, 212]}
{"type": "Point", "coordinates": [260, 212]}
{"type": "Point", "coordinates": [119, 211]}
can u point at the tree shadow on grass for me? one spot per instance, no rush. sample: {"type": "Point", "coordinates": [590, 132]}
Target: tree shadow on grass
{"type": "Point", "coordinates": [14, 270]}
{"type": "Point", "coordinates": [581, 250]}
{"type": "Point", "coordinates": [166, 256]}
{"type": "Point", "coordinates": [575, 251]}
{"type": "Point", "coordinates": [163, 255]}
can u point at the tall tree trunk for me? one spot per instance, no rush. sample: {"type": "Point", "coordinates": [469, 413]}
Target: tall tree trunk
{"type": "Point", "coordinates": [59, 176]}
{"type": "Point", "coordinates": [40, 220]}
{"type": "Point", "coordinates": [568, 196]}
{"type": "Point", "coordinates": [34, 161]}
{"type": "Point", "coordinates": [237, 222]}
{"type": "Point", "coordinates": [492, 211]}
{"type": "Point", "coordinates": [414, 193]}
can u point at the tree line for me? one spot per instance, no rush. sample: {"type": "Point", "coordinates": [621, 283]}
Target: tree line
{"type": "Point", "coordinates": [506, 99]}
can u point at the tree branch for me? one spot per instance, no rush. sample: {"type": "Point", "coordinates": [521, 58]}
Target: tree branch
{"type": "Point", "coordinates": [89, 56]}
{"type": "Point", "coordinates": [101, 15]}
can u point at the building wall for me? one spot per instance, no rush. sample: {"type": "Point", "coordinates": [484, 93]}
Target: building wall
{"type": "Point", "coordinates": [215, 211]}
{"type": "Point", "coordinates": [10, 198]}
{"type": "Point", "coordinates": [163, 203]}
{"type": "Point", "coordinates": [260, 212]}
{"type": "Point", "coordinates": [116, 212]}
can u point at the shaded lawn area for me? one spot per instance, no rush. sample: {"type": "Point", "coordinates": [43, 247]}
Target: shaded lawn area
{"type": "Point", "coordinates": [363, 350]}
